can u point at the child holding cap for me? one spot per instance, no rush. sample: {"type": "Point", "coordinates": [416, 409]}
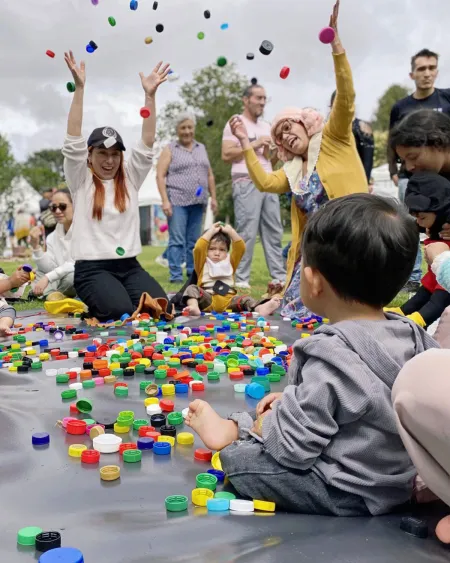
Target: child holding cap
{"type": "Point", "coordinates": [105, 230]}
{"type": "Point", "coordinates": [7, 283]}
{"type": "Point", "coordinates": [328, 444]}
{"type": "Point", "coordinates": [215, 267]}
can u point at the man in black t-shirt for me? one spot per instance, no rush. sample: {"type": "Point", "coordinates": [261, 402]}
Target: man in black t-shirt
{"type": "Point", "coordinates": [424, 72]}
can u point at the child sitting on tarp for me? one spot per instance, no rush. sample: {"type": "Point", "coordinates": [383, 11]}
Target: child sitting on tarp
{"type": "Point", "coordinates": [8, 283]}
{"type": "Point", "coordinates": [428, 199]}
{"type": "Point", "coordinates": [215, 267]}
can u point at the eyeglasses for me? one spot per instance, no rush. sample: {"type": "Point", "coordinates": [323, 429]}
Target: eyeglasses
{"type": "Point", "coordinates": [55, 206]}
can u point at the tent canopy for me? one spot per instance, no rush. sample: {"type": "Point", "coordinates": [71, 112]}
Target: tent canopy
{"type": "Point", "coordinates": [149, 194]}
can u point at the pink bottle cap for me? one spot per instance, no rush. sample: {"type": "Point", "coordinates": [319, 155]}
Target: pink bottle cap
{"type": "Point", "coordinates": [327, 35]}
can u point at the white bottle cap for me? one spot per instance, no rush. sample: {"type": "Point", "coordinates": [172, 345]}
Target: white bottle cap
{"type": "Point", "coordinates": [160, 337]}
{"type": "Point", "coordinates": [154, 409]}
{"type": "Point", "coordinates": [185, 412]}
{"type": "Point", "coordinates": [107, 443]}
{"type": "Point", "coordinates": [62, 370]}
{"type": "Point", "coordinates": [50, 372]}
{"type": "Point", "coordinates": [238, 505]}
{"type": "Point", "coordinates": [73, 355]}
{"type": "Point", "coordinates": [77, 385]}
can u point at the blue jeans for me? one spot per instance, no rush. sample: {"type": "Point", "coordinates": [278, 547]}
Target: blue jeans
{"type": "Point", "coordinates": [185, 227]}
{"type": "Point", "coordinates": [416, 275]}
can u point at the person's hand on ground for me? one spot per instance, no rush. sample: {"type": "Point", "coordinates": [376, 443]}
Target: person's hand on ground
{"type": "Point", "coordinates": [445, 233]}
{"type": "Point", "coordinates": [18, 278]}
{"type": "Point", "coordinates": [41, 286]}
{"type": "Point", "coordinates": [78, 72]}
{"type": "Point", "coordinates": [153, 81]}
{"type": "Point", "coordinates": [214, 206]}
{"type": "Point", "coordinates": [35, 237]}
{"type": "Point", "coordinates": [167, 208]}
{"type": "Point", "coordinates": [432, 251]}
{"type": "Point", "coordinates": [238, 128]}
{"type": "Point", "coordinates": [266, 402]}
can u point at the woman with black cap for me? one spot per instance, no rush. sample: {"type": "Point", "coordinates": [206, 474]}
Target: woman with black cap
{"type": "Point", "coordinates": [105, 238]}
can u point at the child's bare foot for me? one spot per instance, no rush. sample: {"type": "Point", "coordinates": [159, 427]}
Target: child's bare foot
{"type": "Point", "coordinates": [216, 432]}
{"type": "Point", "coordinates": [192, 311]}
{"type": "Point", "coordinates": [269, 307]}
{"type": "Point", "coordinates": [443, 530]}
{"type": "Point", "coordinates": [5, 331]}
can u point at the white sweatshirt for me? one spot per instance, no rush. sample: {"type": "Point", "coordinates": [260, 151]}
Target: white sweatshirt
{"type": "Point", "coordinates": [99, 240]}
{"type": "Point", "coordinates": [56, 262]}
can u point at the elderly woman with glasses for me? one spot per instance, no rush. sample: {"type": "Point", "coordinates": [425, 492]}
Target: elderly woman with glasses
{"type": "Point", "coordinates": [55, 267]}
{"type": "Point", "coordinates": [185, 177]}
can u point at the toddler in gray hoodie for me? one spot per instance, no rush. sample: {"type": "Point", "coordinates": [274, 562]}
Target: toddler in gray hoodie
{"type": "Point", "coordinates": [328, 444]}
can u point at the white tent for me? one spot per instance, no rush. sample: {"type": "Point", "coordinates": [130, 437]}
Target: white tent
{"type": "Point", "coordinates": [21, 195]}
{"type": "Point", "coordinates": [383, 185]}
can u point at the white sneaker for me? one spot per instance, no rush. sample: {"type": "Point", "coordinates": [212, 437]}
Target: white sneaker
{"type": "Point", "coordinates": [242, 285]}
{"type": "Point", "coordinates": [183, 265]}
{"type": "Point", "coordinates": [162, 261]}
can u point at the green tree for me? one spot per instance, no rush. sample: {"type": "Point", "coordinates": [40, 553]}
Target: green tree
{"type": "Point", "coordinates": [381, 139]}
{"type": "Point", "coordinates": [383, 113]}
{"type": "Point", "coordinates": [8, 165]}
{"type": "Point", "coordinates": [44, 169]}
{"type": "Point", "coordinates": [213, 95]}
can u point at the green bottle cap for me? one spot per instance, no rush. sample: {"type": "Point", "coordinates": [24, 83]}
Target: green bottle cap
{"type": "Point", "coordinates": [264, 381]}
{"type": "Point", "coordinates": [27, 536]}
{"type": "Point", "coordinates": [112, 21]}
{"type": "Point", "coordinates": [225, 494]}
{"type": "Point", "coordinates": [36, 365]}
{"type": "Point", "coordinates": [84, 405]}
{"type": "Point", "coordinates": [89, 421]}
{"type": "Point", "coordinates": [144, 384]}
{"type": "Point", "coordinates": [158, 363]}
{"type": "Point", "coordinates": [117, 372]}
{"type": "Point", "coordinates": [132, 456]}
{"type": "Point", "coordinates": [175, 418]}
{"type": "Point", "coordinates": [206, 481]}
{"type": "Point", "coordinates": [71, 87]}
{"type": "Point", "coordinates": [121, 333]}
{"type": "Point", "coordinates": [121, 391]}
{"type": "Point", "coordinates": [200, 35]}
{"type": "Point", "coordinates": [213, 376]}
{"type": "Point", "coordinates": [139, 422]}
{"type": "Point", "coordinates": [160, 374]}
{"type": "Point", "coordinates": [176, 503]}
{"type": "Point", "coordinates": [274, 377]}
{"type": "Point", "coordinates": [88, 384]}
{"type": "Point", "coordinates": [139, 368]}
{"type": "Point", "coordinates": [196, 376]}
{"type": "Point", "coordinates": [120, 251]}
{"type": "Point", "coordinates": [69, 394]}
{"type": "Point", "coordinates": [62, 378]}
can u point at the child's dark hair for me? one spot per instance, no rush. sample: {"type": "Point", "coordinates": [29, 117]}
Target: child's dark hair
{"type": "Point", "coordinates": [424, 128]}
{"type": "Point", "coordinates": [364, 245]}
{"type": "Point", "coordinates": [222, 237]}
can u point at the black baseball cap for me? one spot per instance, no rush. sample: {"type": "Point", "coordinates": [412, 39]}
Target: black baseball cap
{"type": "Point", "coordinates": [105, 137]}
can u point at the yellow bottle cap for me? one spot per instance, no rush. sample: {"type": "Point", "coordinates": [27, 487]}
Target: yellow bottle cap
{"type": "Point", "coordinates": [168, 389]}
{"type": "Point", "coordinates": [215, 462]}
{"type": "Point", "coordinates": [110, 379]}
{"type": "Point", "coordinates": [96, 431]}
{"type": "Point", "coordinates": [15, 346]}
{"type": "Point", "coordinates": [168, 439]}
{"type": "Point", "coordinates": [264, 506]}
{"type": "Point", "coordinates": [305, 335]}
{"type": "Point", "coordinates": [28, 343]}
{"type": "Point", "coordinates": [151, 401]}
{"type": "Point", "coordinates": [121, 429]}
{"type": "Point", "coordinates": [200, 496]}
{"type": "Point", "coordinates": [114, 365]}
{"type": "Point", "coordinates": [109, 472]}
{"type": "Point", "coordinates": [12, 368]}
{"type": "Point", "coordinates": [75, 450]}
{"type": "Point", "coordinates": [44, 356]}
{"type": "Point", "coordinates": [145, 362]}
{"type": "Point", "coordinates": [185, 438]}
{"type": "Point", "coordinates": [31, 352]}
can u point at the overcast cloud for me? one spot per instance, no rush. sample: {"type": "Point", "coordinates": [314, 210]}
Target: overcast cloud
{"type": "Point", "coordinates": [380, 36]}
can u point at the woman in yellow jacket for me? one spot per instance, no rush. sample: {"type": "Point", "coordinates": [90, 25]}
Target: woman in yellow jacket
{"type": "Point", "coordinates": [321, 163]}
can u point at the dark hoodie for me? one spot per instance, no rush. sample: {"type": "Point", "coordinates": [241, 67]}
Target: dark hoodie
{"type": "Point", "coordinates": [336, 416]}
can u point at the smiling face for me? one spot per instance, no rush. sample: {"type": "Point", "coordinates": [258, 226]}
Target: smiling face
{"type": "Point", "coordinates": [422, 158]}
{"type": "Point", "coordinates": [62, 208]}
{"type": "Point", "coordinates": [105, 162]}
{"type": "Point", "coordinates": [217, 251]}
{"type": "Point", "coordinates": [293, 137]}
{"type": "Point", "coordinates": [186, 132]}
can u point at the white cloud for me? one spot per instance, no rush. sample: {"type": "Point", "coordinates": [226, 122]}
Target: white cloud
{"type": "Point", "coordinates": [379, 35]}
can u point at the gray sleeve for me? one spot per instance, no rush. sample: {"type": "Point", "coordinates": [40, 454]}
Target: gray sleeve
{"type": "Point", "coordinates": [303, 422]}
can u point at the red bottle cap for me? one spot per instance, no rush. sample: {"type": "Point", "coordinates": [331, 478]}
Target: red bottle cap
{"type": "Point", "coordinates": [127, 446]}
{"type": "Point", "coordinates": [144, 429]}
{"type": "Point", "coordinates": [133, 363]}
{"type": "Point", "coordinates": [234, 375]}
{"type": "Point", "coordinates": [55, 352]}
{"type": "Point", "coordinates": [153, 435]}
{"type": "Point", "coordinates": [62, 357]}
{"type": "Point", "coordinates": [202, 454]}
{"type": "Point", "coordinates": [136, 355]}
{"type": "Point", "coordinates": [145, 113]}
{"type": "Point", "coordinates": [76, 427]}
{"type": "Point", "coordinates": [148, 351]}
{"type": "Point", "coordinates": [284, 72]}
{"type": "Point", "coordinates": [89, 354]}
{"type": "Point", "coordinates": [167, 405]}
{"type": "Point", "coordinates": [73, 408]}
{"type": "Point", "coordinates": [198, 386]}
{"type": "Point", "coordinates": [50, 54]}
{"type": "Point", "coordinates": [201, 368]}
{"type": "Point", "coordinates": [101, 351]}
{"type": "Point", "coordinates": [157, 356]}
{"type": "Point", "coordinates": [209, 356]}
{"type": "Point", "coordinates": [90, 456]}
{"type": "Point", "coordinates": [72, 374]}
{"type": "Point", "coordinates": [120, 384]}
{"type": "Point", "coordinates": [104, 372]}
{"type": "Point", "coordinates": [171, 372]}
{"type": "Point", "coordinates": [186, 379]}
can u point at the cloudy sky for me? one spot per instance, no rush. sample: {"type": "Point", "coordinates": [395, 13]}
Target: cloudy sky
{"type": "Point", "coordinates": [379, 35]}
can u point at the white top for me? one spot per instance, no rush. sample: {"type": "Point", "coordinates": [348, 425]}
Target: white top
{"type": "Point", "coordinates": [56, 262]}
{"type": "Point", "coordinates": [98, 240]}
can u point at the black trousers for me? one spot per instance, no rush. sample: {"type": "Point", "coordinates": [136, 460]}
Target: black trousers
{"type": "Point", "coordinates": [111, 288]}
{"type": "Point", "coordinates": [429, 305]}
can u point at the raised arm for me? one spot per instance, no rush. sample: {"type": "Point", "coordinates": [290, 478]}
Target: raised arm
{"type": "Point", "coordinates": [343, 111]}
{"type": "Point", "coordinates": [75, 121]}
{"type": "Point", "coordinates": [150, 84]}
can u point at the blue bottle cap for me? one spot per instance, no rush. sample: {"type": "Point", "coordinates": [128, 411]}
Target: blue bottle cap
{"type": "Point", "coordinates": [168, 340]}
{"type": "Point", "coordinates": [262, 371]}
{"type": "Point", "coordinates": [217, 473]}
{"type": "Point", "coordinates": [199, 191]}
{"type": "Point", "coordinates": [255, 391]}
{"type": "Point", "coordinates": [62, 555]}
{"type": "Point", "coordinates": [43, 343]}
{"type": "Point", "coordinates": [224, 26]}
{"type": "Point", "coordinates": [133, 5]}
{"type": "Point", "coordinates": [89, 49]}
{"type": "Point", "coordinates": [40, 439]}
{"type": "Point", "coordinates": [181, 388]}
{"type": "Point", "coordinates": [124, 317]}
{"type": "Point", "coordinates": [91, 348]}
{"type": "Point", "coordinates": [145, 443]}
{"type": "Point", "coordinates": [162, 448]}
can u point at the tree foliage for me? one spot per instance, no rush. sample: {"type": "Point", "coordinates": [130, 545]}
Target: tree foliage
{"type": "Point", "coordinates": [213, 95]}
{"type": "Point", "coordinates": [8, 165]}
{"type": "Point", "coordinates": [44, 169]}
{"type": "Point", "coordinates": [383, 113]}
{"type": "Point", "coordinates": [381, 140]}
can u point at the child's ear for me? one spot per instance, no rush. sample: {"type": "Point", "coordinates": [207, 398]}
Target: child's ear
{"type": "Point", "coordinates": [315, 281]}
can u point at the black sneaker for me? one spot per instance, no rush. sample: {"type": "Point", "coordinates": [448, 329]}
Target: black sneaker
{"type": "Point", "coordinates": [411, 287]}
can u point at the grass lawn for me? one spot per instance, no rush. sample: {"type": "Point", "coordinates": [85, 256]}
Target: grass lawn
{"type": "Point", "coordinates": [259, 276]}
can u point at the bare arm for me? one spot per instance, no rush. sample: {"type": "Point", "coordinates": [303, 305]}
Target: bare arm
{"type": "Point", "coordinates": [75, 121]}
{"type": "Point", "coordinates": [150, 84]}
{"type": "Point", "coordinates": [161, 174]}
{"type": "Point", "coordinates": [212, 184]}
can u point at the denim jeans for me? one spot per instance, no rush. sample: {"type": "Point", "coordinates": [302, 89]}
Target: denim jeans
{"type": "Point", "coordinates": [185, 227]}
{"type": "Point", "coordinates": [416, 275]}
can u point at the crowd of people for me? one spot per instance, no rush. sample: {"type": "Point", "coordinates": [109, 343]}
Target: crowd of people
{"type": "Point", "coordinates": [361, 406]}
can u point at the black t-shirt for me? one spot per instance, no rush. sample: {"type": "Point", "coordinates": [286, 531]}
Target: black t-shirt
{"type": "Point", "coordinates": [439, 101]}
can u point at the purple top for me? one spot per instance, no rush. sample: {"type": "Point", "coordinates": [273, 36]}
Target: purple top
{"type": "Point", "coordinates": [187, 172]}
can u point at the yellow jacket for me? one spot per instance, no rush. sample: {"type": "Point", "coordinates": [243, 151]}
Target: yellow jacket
{"type": "Point", "coordinates": [333, 153]}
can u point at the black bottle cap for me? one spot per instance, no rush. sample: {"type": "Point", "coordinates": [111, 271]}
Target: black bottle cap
{"type": "Point", "coordinates": [81, 354]}
{"type": "Point", "coordinates": [191, 364]}
{"type": "Point", "coordinates": [168, 430]}
{"type": "Point", "coordinates": [52, 329]}
{"type": "Point", "coordinates": [150, 370]}
{"type": "Point", "coordinates": [22, 369]}
{"type": "Point", "coordinates": [88, 365]}
{"type": "Point", "coordinates": [128, 372]}
{"type": "Point", "coordinates": [71, 315]}
{"type": "Point", "coordinates": [123, 365]}
{"type": "Point", "coordinates": [157, 420]}
{"type": "Point", "coordinates": [207, 14]}
{"type": "Point", "coordinates": [48, 540]}
{"type": "Point", "coordinates": [79, 331]}
{"type": "Point", "coordinates": [107, 421]}
{"type": "Point", "coordinates": [249, 371]}
{"type": "Point", "coordinates": [134, 336]}
{"type": "Point", "coordinates": [155, 5]}
{"type": "Point", "coordinates": [414, 527]}
{"type": "Point", "coordinates": [95, 372]}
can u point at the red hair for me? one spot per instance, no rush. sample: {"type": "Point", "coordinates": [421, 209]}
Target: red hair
{"type": "Point", "coordinates": [120, 191]}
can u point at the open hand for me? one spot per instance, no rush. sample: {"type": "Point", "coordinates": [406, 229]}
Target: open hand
{"type": "Point", "coordinates": [334, 17]}
{"type": "Point", "coordinates": [153, 81]}
{"type": "Point", "coordinates": [78, 72]}
{"type": "Point", "coordinates": [238, 128]}
{"type": "Point", "coordinates": [41, 286]}
{"type": "Point", "coordinates": [35, 236]}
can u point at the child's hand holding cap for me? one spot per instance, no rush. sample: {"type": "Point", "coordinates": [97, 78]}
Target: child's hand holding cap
{"type": "Point", "coordinates": [18, 278]}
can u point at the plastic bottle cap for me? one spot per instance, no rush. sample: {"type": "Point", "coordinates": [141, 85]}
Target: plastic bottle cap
{"type": "Point", "coordinates": [217, 504]}
{"type": "Point", "coordinates": [132, 456]}
{"type": "Point", "coordinates": [119, 429]}
{"type": "Point", "coordinates": [175, 418]}
{"type": "Point", "coordinates": [134, 5]}
{"type": "Point", "coordinates": [47, 541]}
{"type": "Point", "coordinates": [176, 503]}
{"type": "Point", "coordinates": [167, 405]}
{"type": "Point", "coordinates": [250, 56]}
{"type": "Point", "coordinates": [62, 555]}
{"type": "Point", "coordinates": [109, 472]}
{"type": "Point", "coordinates": [225, 494]}
{"type": "Point", "coordinates": [222, 61]}
{"type": "Point", "coordinates": [119, 250]}
{"type": "Point", "coordinates": [139, 423]}
{"type": "Point", "coordinates": [76, 427]}
{"type": "Point", "coordinates": [199, 497]}
{"type": "Point", "coordinates": [112, 21]}
{"type": "Point", "coordinates": [327, 35]}
{"type": "Point", "coordinates": [50, 54]}
{"type": "Point", "coordinates": [185, 438]}
{"type": "Point", "coordinates": [224, 26]}
{"type": "Point", "coordinates": [162, 448]}
{"type": "Point", "coordinates": [154, 409]}
{"type": "Point", "coordinates": [145, 113]}
{"type": "Point", "coordinates": [206, 481]}
{"type": "Point", "coordinates": [200, 35]}
{"type": "Point", "coordinates": [240, 387]}
{"type": "Point", "coordinates": [90, 456]}
{"type": "Point", "coordinates": [75, 450]}
{"type": "Point", "coordinates": [264, 506]}
{"type": "Point", "coordinates": [148, 40]}
{"type": "Point", "coordinates": [40, 439]}
{"type": "Point", "coordinates": [159, 28]}
{"type": "Point", "coordinates": [215, 461]}
{"type": "Point", "coordinates": [219, 474]}
{"type": "Point", "coordinates": [202, 454]}
{"type": "Point", "coordinates": [145, 443]}
{"type": "Point", "coordinates": [238, 505]}
{"type": "Point", "coordinates": [207, 14]}
{"type": "Point", "coordinates": [107, 443]}
{"type": "Point", "coordinates": [167, 439]}
{"type": "Point", "coordinates": [95, 431]}
{"type": "Point", "coordinates": [152, 390]}
{"type": "Point", "coordinates": [84, 405]}
{"type": "Point", "coordinates": [284, 72]}
{"type": "Point", "coordinates": [27, 536]}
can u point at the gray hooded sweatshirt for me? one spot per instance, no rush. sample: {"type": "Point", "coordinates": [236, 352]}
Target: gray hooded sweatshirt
{"type": "Point", "coordinates": [336, 416]}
